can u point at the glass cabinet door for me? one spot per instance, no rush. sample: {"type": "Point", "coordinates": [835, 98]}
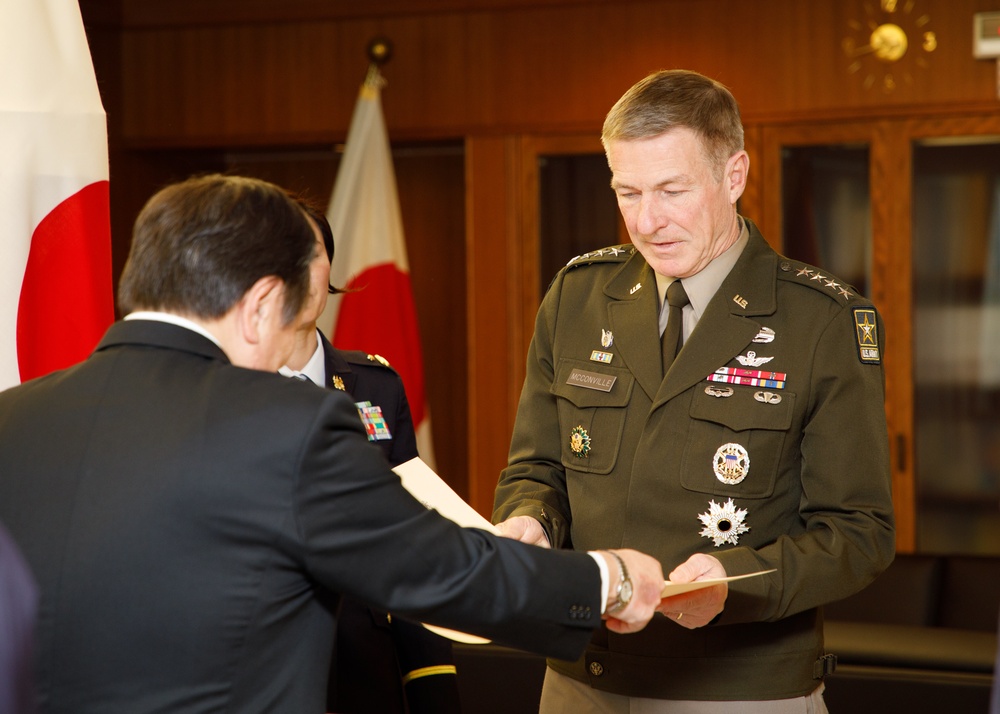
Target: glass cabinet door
{"type": "Point", "coordinates": [956, 344]}
{"type": "Point", "coordinates": [827, 210]}
{"type": "Point", "coordinates": [578, 211]}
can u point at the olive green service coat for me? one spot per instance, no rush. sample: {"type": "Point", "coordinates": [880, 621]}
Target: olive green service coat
{"type": "Point", "coordinates": [610, 454]}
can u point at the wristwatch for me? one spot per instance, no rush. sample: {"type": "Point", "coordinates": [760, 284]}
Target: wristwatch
{"type": "Point", "coordinates": [624, 591]}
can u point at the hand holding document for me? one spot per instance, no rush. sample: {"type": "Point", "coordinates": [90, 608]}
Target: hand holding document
{"type": "Point", "coordinates": [427, 487]}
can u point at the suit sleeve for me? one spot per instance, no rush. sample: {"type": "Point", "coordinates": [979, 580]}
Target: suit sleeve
{"type": "Point", "coordinates": [361, 534]}
{"type": "Point", "coordinates": [846, 503]}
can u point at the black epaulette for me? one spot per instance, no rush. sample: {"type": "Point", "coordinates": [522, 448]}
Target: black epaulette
{"type": "Point", "coordinates": [821, 280]}
{"type": "Point", "coordinates": [613, 254]}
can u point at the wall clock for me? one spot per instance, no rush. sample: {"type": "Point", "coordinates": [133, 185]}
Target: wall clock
{"type": "Point", "coordinates": [889, 43]}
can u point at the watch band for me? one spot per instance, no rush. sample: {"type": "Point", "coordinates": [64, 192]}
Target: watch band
{"type": "Point", "coordinates": [624, 591]}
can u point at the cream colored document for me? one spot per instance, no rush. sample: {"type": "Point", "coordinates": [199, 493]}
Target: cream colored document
{"type": "Point", "coordinates": [430, 489]}
{"type": "Point", "coordinates": [670, 589]}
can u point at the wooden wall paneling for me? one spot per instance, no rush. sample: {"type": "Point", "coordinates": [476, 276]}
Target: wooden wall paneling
{"type": "Point", "coordinates": [891, 174]}
{"type": "Point", "coordinates": [773, 139]}
{"type": "Point", "coordinates": [532, 149]}
{"type": "Point", "coordinates": [526, 68]}
{"type": "Point", "coordinates": [431, 184]}
{"type": "Point", "coordinates": [140, 13]}
{"type": "Point", "coordinates": [495, 333]}
{"type": "Point", "coordinates": [751, 203]}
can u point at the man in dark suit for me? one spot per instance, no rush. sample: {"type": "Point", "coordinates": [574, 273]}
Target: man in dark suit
{"type": "Point", "coordinates": [381, 663]}
{"type": "Point", "coordinates": [191, 517]}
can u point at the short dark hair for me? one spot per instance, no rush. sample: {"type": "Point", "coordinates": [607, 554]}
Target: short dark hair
{"type": "Point", "coordinates": [672, 98]}
{"type": "Point", "coordinates": [325, 231]}
{"type": "Point", "coordinates": [199, 245]}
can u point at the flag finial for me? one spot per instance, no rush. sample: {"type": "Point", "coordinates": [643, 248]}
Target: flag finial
{"type": "Point", "coordinates": [379, 50]}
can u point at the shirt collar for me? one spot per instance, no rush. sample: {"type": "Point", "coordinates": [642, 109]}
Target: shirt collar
{"type": "Point", "coordinates": [702, 286]}
{"type": "Point", "coordinates": [314, 369]}
{"type": "Point", "coordinates": [173, 320]}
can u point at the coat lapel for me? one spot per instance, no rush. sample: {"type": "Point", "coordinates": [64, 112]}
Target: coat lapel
{"type": "Point", "coordinates": [634, 318]}
{"type": "Point", "coordinates": [337, 366]}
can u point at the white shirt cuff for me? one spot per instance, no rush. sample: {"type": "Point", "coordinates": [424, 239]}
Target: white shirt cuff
{"type": "Point", "coordinates": [605, 577]}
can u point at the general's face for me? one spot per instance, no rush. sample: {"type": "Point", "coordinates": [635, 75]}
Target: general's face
{"type": "Point", "coordinates": [679, 216]}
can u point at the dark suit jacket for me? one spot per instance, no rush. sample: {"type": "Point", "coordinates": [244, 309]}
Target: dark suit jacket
{"type": "Point", "coordinates": [375, 652]}
{"type": "Point", "coordinates": [182, 517]}
{"type": "Point", "coordinates": [18, 603]}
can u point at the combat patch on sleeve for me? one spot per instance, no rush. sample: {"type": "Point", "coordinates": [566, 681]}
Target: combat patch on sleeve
{"type": "Point", "coordinates": [866, 332]}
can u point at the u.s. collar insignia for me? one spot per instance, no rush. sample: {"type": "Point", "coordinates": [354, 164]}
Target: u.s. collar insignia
{"type": "Point", "coordinates": [723, 524]}
{"type": "Point", "coordinates": [750, 359]}
{"type": "Point", "coordinates": [607, 339]}
{"type": "Point", "coordinates": [338, 383]}
{"type": "Point", "coordinates": [866, 327]}
{"type": "Point", "coordinates": [731, 463]}
{"type": "Point", "coordinates": [579, 442]}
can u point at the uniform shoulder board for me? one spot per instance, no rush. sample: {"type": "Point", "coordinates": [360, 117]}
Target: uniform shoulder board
{"type": "Point", "coordinates": [866, 333]}
{"type": "Point", "coordinates": [817, 279]}
{"type": "Point", "coordinates": [613, 254]}
{"type": "Point", "coordinates": [364, 358]}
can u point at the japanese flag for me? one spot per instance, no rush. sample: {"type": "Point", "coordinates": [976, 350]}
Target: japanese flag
{"type": "Point", "coordinates": [370, 259]}
{"type": "Point", "coordinates": [55, 238]}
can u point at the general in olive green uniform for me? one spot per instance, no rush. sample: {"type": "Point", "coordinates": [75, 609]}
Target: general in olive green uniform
{"type": "Point", "coordinates": [765, 445]}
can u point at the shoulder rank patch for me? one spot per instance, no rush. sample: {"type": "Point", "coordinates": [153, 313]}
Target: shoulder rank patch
{"type": "Point", "coordinates": [866, 332]}
{"type": "Point", "coordinates": [380, 359]}
{"type": "Point", "coordinates": [614, 254]}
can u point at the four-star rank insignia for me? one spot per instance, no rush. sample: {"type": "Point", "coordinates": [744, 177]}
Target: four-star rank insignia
{"type": "Point", "coordinates": [866, 329]}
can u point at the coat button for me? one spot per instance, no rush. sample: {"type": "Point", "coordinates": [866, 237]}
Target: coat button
{"type": "Point", "coordinates": [596, 669]}
{"type": "Point", "coordinates": [786, 266]}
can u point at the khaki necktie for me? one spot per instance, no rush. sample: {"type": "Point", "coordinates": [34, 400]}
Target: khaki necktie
{"type": "Point", "coordinates": [671, 339]}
